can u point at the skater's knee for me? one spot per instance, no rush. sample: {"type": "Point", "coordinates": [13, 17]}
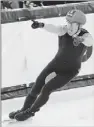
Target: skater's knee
{"type": "Point", "coordinates": [46, 90]}
{"type": "Point", "coordinates": [32, 94]}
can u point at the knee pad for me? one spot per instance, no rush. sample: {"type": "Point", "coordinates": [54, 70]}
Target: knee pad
{"type": "Point", "coordinates": [50, 76]}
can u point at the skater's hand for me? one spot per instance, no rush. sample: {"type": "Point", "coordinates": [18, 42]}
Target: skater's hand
{"type": "Point", "coordinates": [78, 40]}
{"type": "Point", "coordinates": [36, 25]}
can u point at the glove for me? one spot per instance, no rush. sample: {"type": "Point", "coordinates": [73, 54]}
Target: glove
{"type": "Point", "coordinates": [77, 40]}
{"type": "Point", "coordinates": [36, 25]}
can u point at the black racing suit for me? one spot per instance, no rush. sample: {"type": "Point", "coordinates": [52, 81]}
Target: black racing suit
{"type": "Point", "coordinates": [66, 65]}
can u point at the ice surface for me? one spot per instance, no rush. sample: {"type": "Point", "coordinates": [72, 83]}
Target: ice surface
{"type": "Point", "coordinates": [73, 107]}
{"type": "Point", "coordinates": [22, 61]}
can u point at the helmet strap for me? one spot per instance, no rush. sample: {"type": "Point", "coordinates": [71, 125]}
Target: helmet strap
{"type": "Point", "coordinates": [78, 31]}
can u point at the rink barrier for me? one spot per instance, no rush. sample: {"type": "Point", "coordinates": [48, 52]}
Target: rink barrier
{"type": "Point", "coordinates": [24, 14]}
{"type": "Point", "coordinates": [22, 90]}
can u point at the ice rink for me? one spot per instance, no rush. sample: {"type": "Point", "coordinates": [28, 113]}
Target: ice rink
{"type": "Point", "coordinates": [73, 107]}
{"type": "Point", "coordinates": [23, 50]}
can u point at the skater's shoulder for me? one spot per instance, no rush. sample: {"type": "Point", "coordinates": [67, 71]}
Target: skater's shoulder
{"type": "Point", "coordinates": [88, 40]}
{"type": "Point", "coordinates": [84, 30]}
{"type": "Point", "coordinates": [62, 30]}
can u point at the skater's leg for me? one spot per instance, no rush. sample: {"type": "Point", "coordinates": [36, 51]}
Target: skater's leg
{"type": "Point", "coordinates": [32, 95]}
{"type": "Point", "coordinates": [52, 85]}
{"type": "Point", "coordinates": [29, 100]}
{"type": "Point", "coordinates": [40, 81]}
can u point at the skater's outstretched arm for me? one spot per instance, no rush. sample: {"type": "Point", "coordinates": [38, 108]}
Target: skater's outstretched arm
{"type": "Point", "coordinates": [59, 30]}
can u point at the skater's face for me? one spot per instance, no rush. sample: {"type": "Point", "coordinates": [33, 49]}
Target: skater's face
{"type": "Point", "coordinates": [72, 28]}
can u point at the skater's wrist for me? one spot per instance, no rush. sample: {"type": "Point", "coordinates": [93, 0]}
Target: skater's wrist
{"type": "Point", "coordinates": [41, 25]}
{"type": "Point", "coordinates": [36, 25]}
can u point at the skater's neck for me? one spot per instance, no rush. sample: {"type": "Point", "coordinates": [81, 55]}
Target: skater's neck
{"type": "Point", "coordinates": [77, 33]}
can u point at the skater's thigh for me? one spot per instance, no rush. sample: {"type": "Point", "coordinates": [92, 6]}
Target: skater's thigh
{"type": "Point", "coordinates": [59, 81]}
{"type": "Point", "coordinates": [40, 81]}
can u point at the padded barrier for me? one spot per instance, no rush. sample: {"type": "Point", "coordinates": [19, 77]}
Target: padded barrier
{"type": "Point", "coordinates": [22, 90]}
{"type": "Point", "coordinates": [24, 14]}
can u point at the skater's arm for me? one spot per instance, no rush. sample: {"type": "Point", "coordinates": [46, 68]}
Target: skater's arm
{"type": "Point", "coordinates": [88, 40]}
{"type": "Point", "coordinates": [59, 30]}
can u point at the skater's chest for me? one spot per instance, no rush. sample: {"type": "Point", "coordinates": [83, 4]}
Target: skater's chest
{"type": "Point", "coordinates": [66, 45]}
{"type": "Point", "coordinates": [65, 41]}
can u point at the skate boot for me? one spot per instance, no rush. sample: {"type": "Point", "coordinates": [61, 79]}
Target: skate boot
{"type": "Point", "coordinates": [24, 115]}
{"type": "Point", "coordinates": [27, 104]}
{"type": "Point", "coordinates": [12, 114]}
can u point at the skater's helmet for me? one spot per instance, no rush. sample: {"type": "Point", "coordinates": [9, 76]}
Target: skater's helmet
{"type": "Point", "coordinates": [76, 16]}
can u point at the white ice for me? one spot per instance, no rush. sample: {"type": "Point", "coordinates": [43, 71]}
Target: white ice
{"type": "Point", "coordinates": [23, 59]}
{"type": "Point", "coordinates": [73, 107]}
